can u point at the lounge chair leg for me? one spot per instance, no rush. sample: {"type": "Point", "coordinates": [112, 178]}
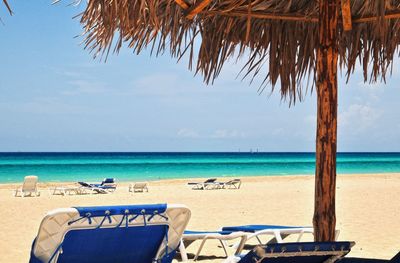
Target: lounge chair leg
{"type": "Point", "coordinates": [337, 232]}
{"type": "Point", "coordinates": [183, 252]}
{"type": "Point", "coordinates": [300, 236]}
{"type": "Point", "coordinates": [240, 247]}
{"type": "Point", "coordinates": [224, 247]}
{"type": "Point", "coordinates": [278, 237]}
{"type": "Point", "coordinates": [200, 248]}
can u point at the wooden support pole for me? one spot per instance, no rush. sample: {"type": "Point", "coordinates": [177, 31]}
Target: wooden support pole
{"type": "Point", "coordinates": [197, 8]}
{"type": "Point", "coordinates": [346, 15]}
{"type": "Point", "coordinates": [324, 220]}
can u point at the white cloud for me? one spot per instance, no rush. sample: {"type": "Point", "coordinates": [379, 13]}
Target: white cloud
{"type": "Point", "coordinates": [217, 134]}
{"type": "Point", "coordinates": [47, 106]}
{"type": "Point", "coordinates": [72, 74]}
{"type": "Point", "coordinates": [359, 118]}
{"type": "Point", "coordinates": [227, 134]}
{"type": "Point", "coordinates": [278, 131]}
{"type": "Point", "coordinates": [173, 85]}
{"type": "Point", "coordinates": [187, 133]}
{"type": "Point", "coordinates": [158, 83]}
{"type": "Point", "coordinates": [86, 87]}
{"type": "Point", "coordinates": [374, 86]}
{"type": "Point", "coordinates": [310, 119]}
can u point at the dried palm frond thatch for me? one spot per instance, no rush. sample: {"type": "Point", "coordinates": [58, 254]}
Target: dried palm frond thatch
{"type": "Point", "coordinates": [7, 6]}
{"type": "Point", "coordinates": [281, 34]}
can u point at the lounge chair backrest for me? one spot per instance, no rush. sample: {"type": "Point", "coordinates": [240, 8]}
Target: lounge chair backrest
{"type": "Point", "coordinates": [140, 185]}
{"type": "Point", "coordinates": [211, 180]}
{"type": "Point", "coordinates": [234, 181]}
{"type": "Point", "coordinates": [139, 233]}
{"type": "Point", "coordinates": [30, 183]}
{"type": "Point", "coordinates": [108, 181]}
{"type": "Point", "coordinates": [84, 184]}
{"type": "Point", "coordinates": [306, 252]}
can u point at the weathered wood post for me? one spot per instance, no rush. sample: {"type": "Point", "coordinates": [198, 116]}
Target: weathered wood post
{"type": "Point", "coordinates": [324, 220]}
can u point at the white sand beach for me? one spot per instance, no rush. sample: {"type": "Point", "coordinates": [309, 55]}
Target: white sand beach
{"type": "Point", "coordinates": [368, 210]}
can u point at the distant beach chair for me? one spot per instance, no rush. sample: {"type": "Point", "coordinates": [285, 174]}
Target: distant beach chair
{"type": "Point", "coordinates": [29, 187]}
{"type": "Point", "coordinates": [138, 187]}
{"type": "Point", "coordinates": [232, 184]}
{"type": "Point", "coordinates": [86, 187]}
{"type": "Point", "coordinates": [108, 184]}
{"type": "Point", "coordinates": [278, 232]}
{"type": "Point", "coordinates": [207, 184]}
{"type": "Point", "coordinates": [136, 233]}
{"type": "Point", "coordinates": [64, 190]}
{"type": "Point", "coordinates": [222, 236]}
{"type": "Point", "coordinates": [304, 252]}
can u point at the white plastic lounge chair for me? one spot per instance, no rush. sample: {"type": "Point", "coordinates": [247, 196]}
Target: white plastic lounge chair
{"type": "Point", "coordinates": [278, 233]}
{"type": "Point", "coordinates": [64, 190]}
{"type": "Point", "coordinates": [304, 252]}
{"type": "Point", "coordinates": [208, 184]}
{"type": "Point", "coordinates": [29, 187]}
{"type": "Point", "coordinates": [137, 233]}
{"type": "Point", "coordinates": [138, 187]}
{"type": "Point", "coordinates": [232, 184]}
{"type": "Point", "coordinates": [190, 236]}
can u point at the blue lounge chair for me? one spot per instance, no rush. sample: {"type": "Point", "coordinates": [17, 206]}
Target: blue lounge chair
{"type": "Point", "coordinates": [133, 233]}
{"type": "Point", "coordinates": [207, 184]}
{"type": "Point", "coordinates": [307, 252]}
{"type": "Point", "coordinates": [395, 259]}
{"type": "Point", "coordinates": [108, 184]}
{"type": "Point", "coordinates": [84, 187]}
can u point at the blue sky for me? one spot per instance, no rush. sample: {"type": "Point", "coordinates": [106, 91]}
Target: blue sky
{"type": "Point", "coordinates": [55, 97]}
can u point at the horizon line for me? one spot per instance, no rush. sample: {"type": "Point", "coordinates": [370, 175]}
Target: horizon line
{"type": "Point", "coordinates": [253, 152]}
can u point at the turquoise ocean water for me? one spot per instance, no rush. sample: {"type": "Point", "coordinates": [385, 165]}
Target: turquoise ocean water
{"type": "Point", "coordinates": [57, 167]}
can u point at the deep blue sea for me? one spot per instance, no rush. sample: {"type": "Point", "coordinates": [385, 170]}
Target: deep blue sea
{"type": "Point", "coordinates": [58, 167]}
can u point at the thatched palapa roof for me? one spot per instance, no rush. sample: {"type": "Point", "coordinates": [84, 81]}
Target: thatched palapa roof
{"type": "Point", "coordinates": [280, 33]}
{"type": "Point", "coordinates": [7, 6]}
